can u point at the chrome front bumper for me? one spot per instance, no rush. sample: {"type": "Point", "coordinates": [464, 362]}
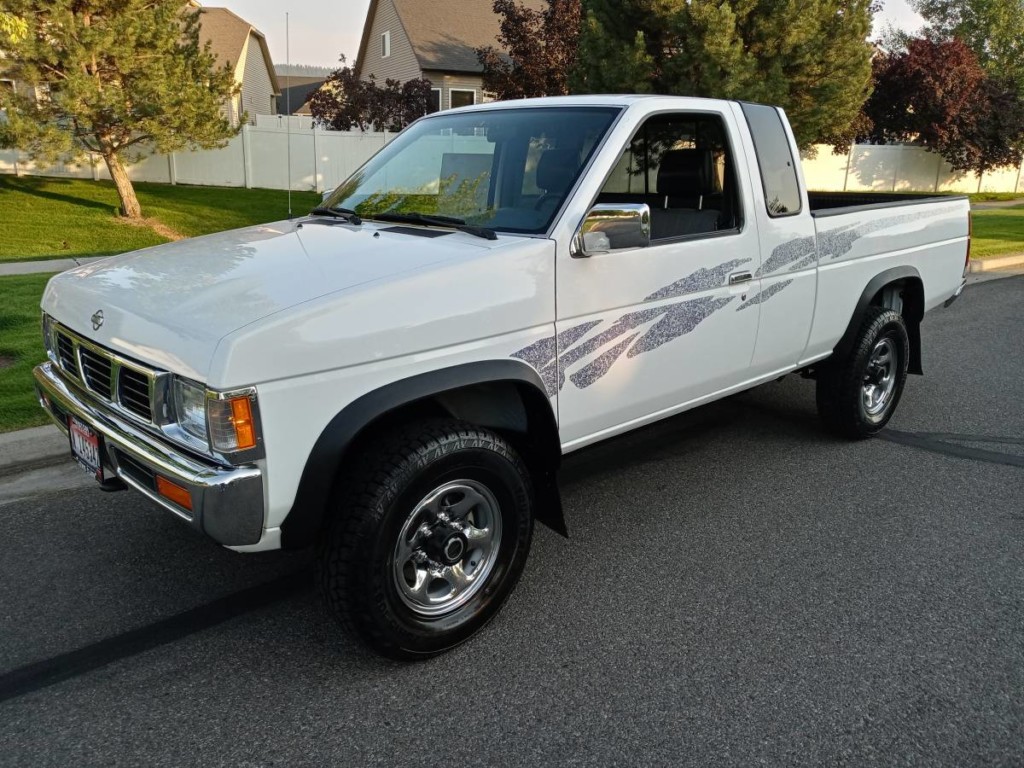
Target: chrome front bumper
{"type": "Point", "coordinates": [227, 502]}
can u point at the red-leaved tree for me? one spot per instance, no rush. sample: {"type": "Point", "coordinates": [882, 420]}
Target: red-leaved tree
{"type": "Point", "coordinates": [936, 93]}
{"type": "Point", "coordinates": [345, 102]}
{"type": "Point", "coordinates": [540, 49]}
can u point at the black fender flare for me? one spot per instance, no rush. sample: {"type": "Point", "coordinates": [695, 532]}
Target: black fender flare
{"type": "Point", "coordinates": [913, 312]}
{"type": "Point", "coordinates": [307, 514]}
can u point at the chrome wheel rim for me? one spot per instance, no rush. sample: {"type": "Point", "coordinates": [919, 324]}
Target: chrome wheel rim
{"type": "Point", "coordinates": [447, 548]}
{"type": "Point", "coordinates": [879, 378]}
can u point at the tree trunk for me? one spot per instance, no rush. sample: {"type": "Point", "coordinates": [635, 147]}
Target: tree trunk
{"type": "Point", "coordinates": [130, 207]}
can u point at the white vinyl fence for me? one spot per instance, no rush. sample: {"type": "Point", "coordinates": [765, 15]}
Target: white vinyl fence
{"type": "Point", "coordinates": [900, 168]}
{"type": "Point", "coordinates": [257, 157]}
{"type": "Point", "coordinates": [320, 160]}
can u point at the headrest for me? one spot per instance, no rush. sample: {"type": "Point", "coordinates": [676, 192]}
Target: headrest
{"type": "Point", "coordinates": [686, 172]}
{"type": "Point", "coordinates": [556, 169]}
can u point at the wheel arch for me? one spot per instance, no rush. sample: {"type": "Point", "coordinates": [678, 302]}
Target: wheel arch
{"type": "Point", "coordinates": [911, 291]}
{"type": "Point", "coordinates": [505, 395]}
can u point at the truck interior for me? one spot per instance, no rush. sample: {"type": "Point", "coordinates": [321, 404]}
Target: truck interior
{"type": "Point", "coordinates": [681, 166]}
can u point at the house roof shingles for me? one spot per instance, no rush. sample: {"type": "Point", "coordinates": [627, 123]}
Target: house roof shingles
{"type": "Point", "coordinates": [227, 33]}
{"type": "Point", "coordinates": [446, 33]}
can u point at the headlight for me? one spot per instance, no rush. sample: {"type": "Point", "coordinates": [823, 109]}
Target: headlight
{"type": "Point", "coordinates": [190, 407]}
{"type": "Point", "coordinates": [48, 336]}
{"type": "Point", "coordinates": [224, 421]}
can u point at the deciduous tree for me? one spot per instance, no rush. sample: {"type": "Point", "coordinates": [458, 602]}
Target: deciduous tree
{"type": "Point", "coordinates": [539, 49]}
{"type": "Point", "coordinates": [993, 29]}
{"type": "Point", "coordinates": [937, 94]}
{"type": "Point", "coordinates": [809, 56]}
{"type": "Point", "coordinates": [110, 76]}
{"type": "Point", "coordinates": [12, 28]}
{"type": "Point", "coordinates": [345, 102]}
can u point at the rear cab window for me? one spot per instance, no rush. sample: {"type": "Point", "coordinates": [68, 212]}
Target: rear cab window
{"type": "Point", "coordinates": [775, 160]}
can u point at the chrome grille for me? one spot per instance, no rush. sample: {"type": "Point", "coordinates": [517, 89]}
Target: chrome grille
{"type": "Point", "coordinates": [133, 393]}
{"type": "Point", "coordinates": [122, 383]}
{"type": "Point", "coordinates": [96, 371]}
{"type": "Point", "coordinates": [66, 353]}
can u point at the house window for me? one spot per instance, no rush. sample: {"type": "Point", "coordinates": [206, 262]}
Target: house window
{"type": "Point", "coordinates": [385, 44]}
{"type": "Point", "coordinates": [435, 101]}
{"type": "Point", "coordinates": [462, 98]}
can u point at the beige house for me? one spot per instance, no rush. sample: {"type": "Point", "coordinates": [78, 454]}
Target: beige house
{"type": "Point", "coordinates": [239, 44]}
{"type": "Point", "coordinates": [436, 39]}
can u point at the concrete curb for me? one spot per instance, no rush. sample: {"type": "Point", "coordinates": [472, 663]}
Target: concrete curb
{"type": "Point", "coordinates": [1003, 262]}
{"type": "Point", "coordinates": [32, 448]}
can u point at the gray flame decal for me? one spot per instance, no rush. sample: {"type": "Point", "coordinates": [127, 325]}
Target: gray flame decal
{"type": "Point", "coordinates": [679, 320]}
{"type": "Point", "coordinates": [800, 250]}
{"type": "Point", "coordinates": [701, 280]}
{"type": "Point", "coordinates": [763, 296]}
{"type": "Point", "coordinates": [671, 321]}
{"type": "Point", "coordinates": [591, 372]}
{"type": "Point", "coordinates": [837, 242]}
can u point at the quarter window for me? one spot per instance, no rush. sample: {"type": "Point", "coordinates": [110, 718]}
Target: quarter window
{"type": "Point", "coordinates": [775, 159]}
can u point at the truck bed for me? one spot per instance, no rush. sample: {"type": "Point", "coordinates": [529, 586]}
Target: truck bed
{"type": "Point", "coordinates": [835, 203]}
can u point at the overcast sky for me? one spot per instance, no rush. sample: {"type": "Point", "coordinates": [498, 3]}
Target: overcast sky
{"type": "Point", "coordinates": [321, 30]}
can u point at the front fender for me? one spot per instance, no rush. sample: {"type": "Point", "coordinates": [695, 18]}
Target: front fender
{"type": "Point", "coordinates": [307, 516]}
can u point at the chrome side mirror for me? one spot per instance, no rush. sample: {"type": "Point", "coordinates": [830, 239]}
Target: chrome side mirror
{"type": "Point", "coordinates": [611, 227]}
{"type": "Point", "coordinates": [325, 194]}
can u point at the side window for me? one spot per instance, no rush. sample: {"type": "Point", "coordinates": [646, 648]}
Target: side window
{"type": "Point", "coordinates": [775, 159]}
{"type": "Point", "coordinates": [681, 165]}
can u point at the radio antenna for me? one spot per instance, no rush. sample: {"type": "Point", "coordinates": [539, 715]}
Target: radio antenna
{"type": "Point", "coordinates": [288, 109]}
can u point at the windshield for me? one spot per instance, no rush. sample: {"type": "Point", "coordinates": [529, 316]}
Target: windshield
{"type": "Point", "coordinates": [504, 169]}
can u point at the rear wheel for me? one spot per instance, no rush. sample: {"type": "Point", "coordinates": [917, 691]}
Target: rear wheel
{"type": "Point", "coordinates": [858, 393]}
{"type": "Point", "coordinates": [432, 533]}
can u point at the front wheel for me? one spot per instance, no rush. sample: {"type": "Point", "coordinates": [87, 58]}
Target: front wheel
{"type": "Point", "coordinates": [858, 393]}
{"type": "Point", "coordinates": [432, 532]}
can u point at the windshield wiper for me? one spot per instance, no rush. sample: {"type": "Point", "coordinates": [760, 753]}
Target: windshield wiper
{"type": "Point", "coordinates": [338, 213]}
{"type": "Point", "coordinates": [414, 217]}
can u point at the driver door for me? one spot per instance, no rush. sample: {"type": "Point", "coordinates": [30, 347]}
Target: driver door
{"type": "Point", "coordinates": [643, 331]}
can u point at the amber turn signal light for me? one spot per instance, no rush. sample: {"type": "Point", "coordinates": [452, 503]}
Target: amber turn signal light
{"type": "Point", "coordinates": [174, 492]}
{"type": "Point", "coordinates": [241, 418]}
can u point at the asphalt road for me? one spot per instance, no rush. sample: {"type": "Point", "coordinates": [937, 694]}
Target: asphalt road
{"type": "Point", "coordinates": [739, 589]}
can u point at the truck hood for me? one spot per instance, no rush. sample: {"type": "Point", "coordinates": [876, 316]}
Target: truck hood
{"type": "Point", "coordinates": [170, 305]}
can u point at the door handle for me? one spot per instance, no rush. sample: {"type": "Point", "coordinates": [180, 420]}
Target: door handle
{"type": "Point", "coordinates": [740, 277]}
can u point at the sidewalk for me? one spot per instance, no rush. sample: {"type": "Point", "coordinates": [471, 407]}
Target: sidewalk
{"type": "Point", "coordinates": [51, 265]}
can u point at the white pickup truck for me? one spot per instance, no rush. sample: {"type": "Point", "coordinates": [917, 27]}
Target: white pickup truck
{"type": "Point", "coordinates": [394, 377]}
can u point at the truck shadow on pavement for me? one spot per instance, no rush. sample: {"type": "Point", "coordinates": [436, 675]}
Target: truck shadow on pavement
{"type": "Point", "coordinates": [674, 440]}
{"type": "Point", "coordinates": [753, 429]}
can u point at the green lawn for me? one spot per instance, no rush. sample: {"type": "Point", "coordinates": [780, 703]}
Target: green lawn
{"type": "Point", "coordinates": [988, 197]}
{"type": "Point", "coordinates": [998, 232]}
{"type": "Point", "coordinates": [47, 218]}
{"type": "Point", "coordinates": [21, 348]}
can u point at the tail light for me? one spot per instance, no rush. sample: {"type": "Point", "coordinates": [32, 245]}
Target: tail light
{"type": "Point", "coordinates": [970, 232]}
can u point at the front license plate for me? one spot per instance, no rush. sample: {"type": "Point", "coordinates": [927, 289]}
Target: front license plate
{"type": "Point", "coordinates": [85, 447]}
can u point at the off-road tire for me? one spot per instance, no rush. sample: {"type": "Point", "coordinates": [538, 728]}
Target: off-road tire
{"type": "Point", "coordinates": [841, 380]}
{"type": "Point", "coordinates": [373, 500]}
